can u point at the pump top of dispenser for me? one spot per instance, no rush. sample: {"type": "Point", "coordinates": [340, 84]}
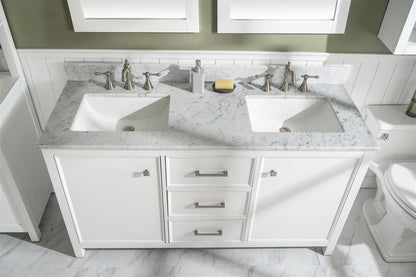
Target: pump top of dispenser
{"type": "Point", "coordinates": [197, 67]}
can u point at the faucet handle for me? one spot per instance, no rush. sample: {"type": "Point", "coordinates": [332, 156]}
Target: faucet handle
{"type": "Point", "coordinates": [266, 87]}
{"type": "Point", "coordinates": [108, 83]}
{"type": "Point", "coordinates": [147, 74]}
{"type": "Point", "coordinates": [304, 86]}
{"type": "Point", "coordinates": [147, 84]}
{"type": "Point", "coordinates": [267, 76]}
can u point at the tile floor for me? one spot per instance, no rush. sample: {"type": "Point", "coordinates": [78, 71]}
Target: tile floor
{"type": "Point", "coordinates": [355, 255]}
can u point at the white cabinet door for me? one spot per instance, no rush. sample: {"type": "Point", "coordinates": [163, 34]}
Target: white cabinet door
{"type": "Point", "coordinates": [113, 199]}
{"type": "Point", "coordinates": [300, 202]}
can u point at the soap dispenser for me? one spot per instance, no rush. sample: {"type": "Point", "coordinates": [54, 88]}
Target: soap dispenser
{"type": "Point", "coordinates": [411, 109]}
{"type": "Point", "coordinates": [197, 78]}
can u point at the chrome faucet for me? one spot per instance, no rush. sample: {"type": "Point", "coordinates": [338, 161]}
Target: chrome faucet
{"type": "Point", "coordinates": [266, 87]}
{"type": "Point", "coordinates": [147, 84]}
{"type": "Point", "coordinates": [304, 86]}
{"type": "Point", "coordinates": [108, 82]}
{"type": "Point", "coordinates": [289, 78]}
{"type": "Point", "coordinates": [126, 76]}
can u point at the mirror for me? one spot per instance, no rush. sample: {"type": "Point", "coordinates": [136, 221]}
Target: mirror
{"type": "Point", "coordinates": [282, 16]}
{"type": "Point", "coordinates": [134, 15]}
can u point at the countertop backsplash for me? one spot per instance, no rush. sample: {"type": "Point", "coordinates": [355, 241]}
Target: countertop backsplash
{"type": "Point", "coordinates": [174, 73]}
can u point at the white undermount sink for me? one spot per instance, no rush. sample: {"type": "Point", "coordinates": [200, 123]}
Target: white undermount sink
{"type": "Point", "coordinates": [278, 114]}
{"type": "Point", "coordinates": [111, 112]}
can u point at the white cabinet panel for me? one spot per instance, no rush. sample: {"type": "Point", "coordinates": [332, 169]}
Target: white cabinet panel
{"type": "Point", "coordinates": [111, 198]}
{"type": "Point", "coordinates": [300, 202]}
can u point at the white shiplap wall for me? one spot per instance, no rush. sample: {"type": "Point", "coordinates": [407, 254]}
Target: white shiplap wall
{"type": "Point", "coordinates": [372, 79]}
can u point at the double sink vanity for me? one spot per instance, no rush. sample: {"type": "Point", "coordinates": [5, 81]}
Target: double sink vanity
{"type": "Point", "coordinates": [170, 168]}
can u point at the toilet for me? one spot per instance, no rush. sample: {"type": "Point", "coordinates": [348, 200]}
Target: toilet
{"type": "Point", "coordinates": [391, 215]}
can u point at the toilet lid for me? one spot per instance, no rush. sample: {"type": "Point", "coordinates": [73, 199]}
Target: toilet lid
{"type": "Point", "coordinates": [402, 180]}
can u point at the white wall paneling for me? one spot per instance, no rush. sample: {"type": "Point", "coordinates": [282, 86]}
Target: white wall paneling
{"type": "Point", "coordinates": [372, 79]}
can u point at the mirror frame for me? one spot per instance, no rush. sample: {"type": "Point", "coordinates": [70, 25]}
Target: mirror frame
{"type": "Point", "coordinates": [190, 24]}
{"type": "Point", "coordinates": [335, 26]}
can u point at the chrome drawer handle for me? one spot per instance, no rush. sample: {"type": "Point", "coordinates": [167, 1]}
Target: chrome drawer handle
{"type": "Point", "coordinates": [383, 136]}
{"type": "Point", "coordinates": [218, 233]}
{"type": "Point", "coordinates": [273, 173]}
{"type": "Point", "coordinates": [217, 206]}
{"type": "Point", "coordinates": [219, 174]}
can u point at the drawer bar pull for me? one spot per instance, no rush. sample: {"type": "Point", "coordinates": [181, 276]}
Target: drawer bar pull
{"type": "Point", "coordinates": [218, 233]}
{"type": "Point", "coordinates": [216, 206]}
{"type": "Point", "coordinates": [219, 174]}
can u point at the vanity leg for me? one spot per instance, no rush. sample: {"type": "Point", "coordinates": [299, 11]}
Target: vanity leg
{"type": "Point", "coordinates": [34, 233]}
{"type": "Point", "coordinates": [354, 188]}
{"type": "Point", "coordinates": [79, 253]}
{"type": "Point", "coordinates": [52, 166]}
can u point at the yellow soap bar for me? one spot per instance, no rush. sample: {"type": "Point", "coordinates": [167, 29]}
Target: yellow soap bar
{"type": "Point", "coordinates": [224, 84]}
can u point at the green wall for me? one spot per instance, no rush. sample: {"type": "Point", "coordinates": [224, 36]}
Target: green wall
{"type": "Point", "coordinates": [47, 24]}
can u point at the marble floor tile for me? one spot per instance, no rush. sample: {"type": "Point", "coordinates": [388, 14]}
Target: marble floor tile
{"type": "Point", "coordinates": [355, 255]}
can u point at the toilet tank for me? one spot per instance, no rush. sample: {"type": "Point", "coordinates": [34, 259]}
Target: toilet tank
{"type": "Point", "coordinates": [394, 130]}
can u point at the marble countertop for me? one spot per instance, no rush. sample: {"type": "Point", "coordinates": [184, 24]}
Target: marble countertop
{"type": "Point", "coordinates": [208, 121]}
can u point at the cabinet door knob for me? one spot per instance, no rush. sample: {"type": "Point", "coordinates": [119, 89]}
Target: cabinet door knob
{"type": "Point", "coordinates": [144, 173]}
{"type": "Point", "coordinates": [218, 233]}
{"type": "Point", "coordinates": [273, 173]}
{"type": "Point", "coordinates": [383, 136]}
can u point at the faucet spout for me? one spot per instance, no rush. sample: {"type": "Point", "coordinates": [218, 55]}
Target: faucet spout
{"type": "Point", "coordinates": [289, 78]}
{"type": "Point", "coordinates": [126, 76]}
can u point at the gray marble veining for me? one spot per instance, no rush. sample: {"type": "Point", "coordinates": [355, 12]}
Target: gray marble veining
{"type": "Point", "coordinates": [207, 121]}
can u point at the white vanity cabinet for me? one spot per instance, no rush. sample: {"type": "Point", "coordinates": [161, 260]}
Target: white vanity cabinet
{"type": "Point", "coordinates": [298, 198]}
{"type": "Point", "coordinates": [115, 200]}
{"type": "Point", "coordinates": [170, 199]}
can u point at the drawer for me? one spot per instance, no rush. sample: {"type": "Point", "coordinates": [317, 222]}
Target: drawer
{"type": "Point", "coordinates": [209, 171]}
{"type": "Point", "coordinates": [206, 231]}
{"type": "Point", "coordinates": [209, 203]}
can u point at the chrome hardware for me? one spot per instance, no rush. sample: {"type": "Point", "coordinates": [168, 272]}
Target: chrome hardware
{"type": "Point", "coordinates": [220, 174]}
{"type": "Point", "coordinates": [126, 76]}
{"type": "Point", "coordinates": [147, 84]}
{"type": "Point", "coordinates": [108, 83]}
{"type": "Point", "coordinates": [304, 86]}
{"type": "Point", "coordinates": [273, 173]}
{"type": "Point", "coordinates": [217, 206]}
{"type": "Point", "coordinates": [288, 79]}
{"type": "Point", "coordinates": [266, 87]}
{"type": "Point", "coordinates": [383, 136]}
{"type": "Point", "coordinates": [144, 173]}
{"type": "Point", "coordinates": [218, 233]}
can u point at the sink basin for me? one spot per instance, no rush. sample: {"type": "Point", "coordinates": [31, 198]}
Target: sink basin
{"type": "Point", "coordinates": [277, 114]}
{"type": "Point", "coordinates": [109, 112]}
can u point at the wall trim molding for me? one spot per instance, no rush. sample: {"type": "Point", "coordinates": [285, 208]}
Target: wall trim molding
{"type": "Point", "coordinates": [254, 55]}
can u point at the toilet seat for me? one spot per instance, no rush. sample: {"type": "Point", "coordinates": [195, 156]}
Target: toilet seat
{"type": "Point", "coordinates": [401, 183]}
